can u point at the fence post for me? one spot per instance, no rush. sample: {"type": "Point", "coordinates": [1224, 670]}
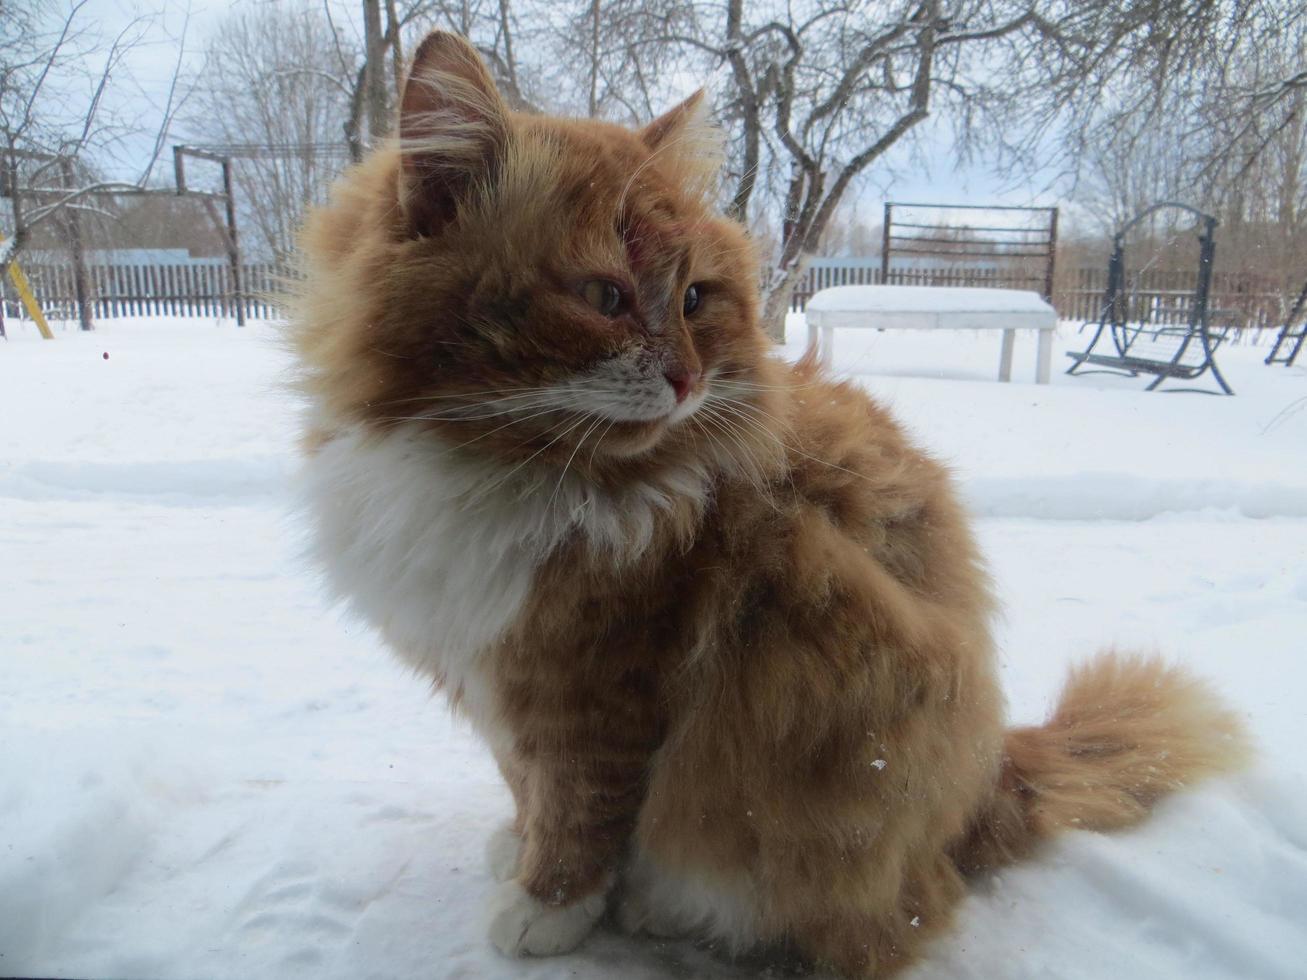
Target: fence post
{"type": "Point", "coordinates": [884, 245]}
{"type": "Point", "coordinates": [233, 243]}
{"type": "Point", "coordinates": [1052, 257]}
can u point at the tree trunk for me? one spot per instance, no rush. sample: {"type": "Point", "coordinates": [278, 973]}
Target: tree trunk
{"type": "Point", "coordinates": [776, 297]}
{"type": "Point", "coordinates": [73, 232]}
{"type": "Point", "coordinates": [750, 123]}
{"type": "Point", "coordinates": [510, 59]}
{"type": "Point", "coordinates": [592, 106]}
{"type": "Point", "coordinates": [392, 40]}
{"type": "Point", "coordinates": [374, 72]}
{"type": "Point", "coordinates": [354, 124]}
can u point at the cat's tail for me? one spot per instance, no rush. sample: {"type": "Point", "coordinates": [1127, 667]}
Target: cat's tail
{"type": "Point", "coordinates": [1127, 731]}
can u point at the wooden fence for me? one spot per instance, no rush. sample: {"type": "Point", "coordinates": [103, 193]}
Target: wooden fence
{"type": "Point", "coordinates": [1246, 300]}
{"type": "Point", "coordinates": [152, 290]}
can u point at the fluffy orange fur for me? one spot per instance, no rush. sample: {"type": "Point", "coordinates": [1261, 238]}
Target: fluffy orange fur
{"type": "Point", "coordinates": [760, 703]}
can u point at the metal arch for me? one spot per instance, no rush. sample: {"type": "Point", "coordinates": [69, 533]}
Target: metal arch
{"type": "Point", "coordinates": [1154, 208]}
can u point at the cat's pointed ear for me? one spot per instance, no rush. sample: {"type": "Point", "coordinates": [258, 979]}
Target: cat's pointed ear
{"type": "Point", "coordinates": [689, 144]}
{"type": "Point", "coordinates": [452, 127]}
{"type": "Point", "coordinates": [689, 120]}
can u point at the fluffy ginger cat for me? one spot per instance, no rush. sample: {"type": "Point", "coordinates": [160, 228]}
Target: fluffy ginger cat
{"type": "Point", "coordinates": [724, 628]}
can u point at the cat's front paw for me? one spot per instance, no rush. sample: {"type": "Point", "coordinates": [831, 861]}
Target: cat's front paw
{"type": "Point", "coordinates": [521, 925]}
{"type": "Point", "coordinates": [503, 851]}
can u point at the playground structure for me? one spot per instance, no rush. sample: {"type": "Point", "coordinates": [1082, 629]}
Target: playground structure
{"type": "Point", "coordinates": [25, 296]}
{"type": "Point", "coordinates": [219, 205]}
{"type": "Point", "coordinates": [1172, 340]}
{"type": "Point", "coordinates": [68, 191]}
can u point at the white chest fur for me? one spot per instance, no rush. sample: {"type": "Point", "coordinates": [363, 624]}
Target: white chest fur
{"type": "Point", "coordinates": [439, 550]}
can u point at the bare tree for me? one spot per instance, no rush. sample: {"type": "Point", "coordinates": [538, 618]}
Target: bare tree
{"type": "Point", "coordinates": [815, 93]}
{"type": "Point", "coordinates": [283, 85]}
{"type": "Point", "coordinates": [55, 76]}
{"type": "Point", "coordinates": [1226, 131]}
{"type": "Point", "coordinates": [497, 28]}
{"type": "Point", "coordinates": [277, 86]}
{"type": "Point", "coordinates": [370, 69]}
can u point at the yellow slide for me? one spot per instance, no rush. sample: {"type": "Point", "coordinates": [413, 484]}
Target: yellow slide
{"type": "Point", "coordinates": [25, 294]}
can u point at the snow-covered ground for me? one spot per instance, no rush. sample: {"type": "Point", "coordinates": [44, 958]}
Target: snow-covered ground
{"type": "Point", "coordinates": [207, 773]}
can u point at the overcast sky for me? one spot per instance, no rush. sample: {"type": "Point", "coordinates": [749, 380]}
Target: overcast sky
{"type": "Point", "coordinates": [176, 28]}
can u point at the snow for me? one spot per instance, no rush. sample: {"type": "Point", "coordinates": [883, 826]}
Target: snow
{"type": "Point", "coordinates": [926, 299]}
{"type": "Point", "coordinates": [206, 772]}
{"type": "Point", "coordinates": [927, 308]}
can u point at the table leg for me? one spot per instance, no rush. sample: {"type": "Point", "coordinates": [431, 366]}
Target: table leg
{"type": "Point", "coordinates": [1044, 359]}
{"type": "Point", "coordinates": [1005, 358]}
{"type": "Point", "coordinates": [812, 333]}
{"type": "Point", "coordinates": [827, 346]}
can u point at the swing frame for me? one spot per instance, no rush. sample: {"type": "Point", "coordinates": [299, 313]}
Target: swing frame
{"type": "Point", "coordinates": [1111, 351]}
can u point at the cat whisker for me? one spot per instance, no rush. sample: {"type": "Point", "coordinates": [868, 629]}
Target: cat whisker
{"type": "Point", "coordinates": [742, 426]}
{"type": "Point", "coordinates": [754, 408]}
{"type": "Point", "coordinates": [475, 399]}
{"type": "Point", "coordinates": [611, 423]}
{"type": "Point", "coordinates": [599, 420]}
{"type": "Point", "coordinates": [508, 394]}
{"type": "Point", "coordinates": [481, 410]}
{"type": "Point", "coordinates": [507, 476]}
{"type": "Point", "coordinates": [702, 425]}
{"type": "Point", "coordinates": [816, 459]}
{"type": "Point", "coordinates": [763, 430]}
{"type": "Point", "coordinates": [744, 408]}
{"type": "Point", "coordinates": [750, 465]}
{"type": "Point", "coordinates": [756, 386]}
{"type": "Point", "coordinates": [434, 417]}
{"type": "Point", "coordinates": [498, 428]}
{"type": "Point", "coordinates": [741, 410]}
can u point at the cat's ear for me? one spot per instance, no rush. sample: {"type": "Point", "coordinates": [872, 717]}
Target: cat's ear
{"type": "Point", "coordinates": [689, 144]}
{"type": "Point", "coordinates": [687, 121]}
{"type": "Point", "coordinates": [452, 127]}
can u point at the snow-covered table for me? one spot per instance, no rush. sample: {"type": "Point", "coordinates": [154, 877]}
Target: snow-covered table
{"type": "Point", "coordinates": [934, 308]}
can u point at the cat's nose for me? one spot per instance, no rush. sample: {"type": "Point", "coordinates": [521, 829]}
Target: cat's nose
{"type": "Point", "coordinates": [682, 381]}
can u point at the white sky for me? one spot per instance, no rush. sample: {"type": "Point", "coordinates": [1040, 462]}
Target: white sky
{"type": "Point", "coordinates": [140, 92]}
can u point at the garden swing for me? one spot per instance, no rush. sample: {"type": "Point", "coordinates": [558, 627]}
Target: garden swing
{"type": "Point", "coordinates": [1289, 341]}
{"type": "Point", "coordinates": [1166, 335]}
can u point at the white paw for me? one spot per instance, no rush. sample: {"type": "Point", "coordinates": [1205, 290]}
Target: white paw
{"type": "Point", "coordinates": [503, 849]}
{"type": "Point", "coordinates": [523, 926]}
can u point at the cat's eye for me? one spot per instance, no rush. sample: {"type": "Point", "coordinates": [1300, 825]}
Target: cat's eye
{"type": "Point", "coordinates": [603, 295]}
{"type": "Point", "coordinates": [691, 301]}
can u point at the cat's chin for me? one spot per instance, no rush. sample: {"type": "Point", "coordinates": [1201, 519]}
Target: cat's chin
{"type": "Point", "coordinates": [627, 440]}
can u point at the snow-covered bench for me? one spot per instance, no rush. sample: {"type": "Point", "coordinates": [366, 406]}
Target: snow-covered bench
{"type": "Point", "coordinates": [934, 308]}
